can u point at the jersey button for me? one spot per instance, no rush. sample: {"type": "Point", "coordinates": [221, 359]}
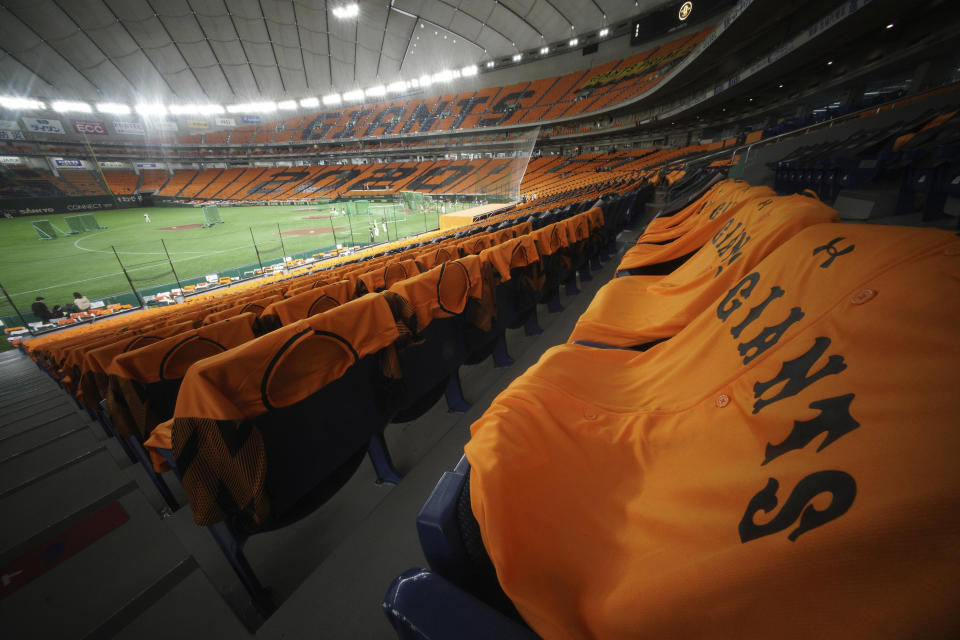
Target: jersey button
{"type": "Point", "coordinates": [723, 400]}
{"type": "Point", "coordinates": [864, 295]}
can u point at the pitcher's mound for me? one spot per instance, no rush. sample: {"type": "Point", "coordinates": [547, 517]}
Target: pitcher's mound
{"type": "Point", "coordinates": [181, 227]}
{"type": "Point", "coordinates": [306, 232]}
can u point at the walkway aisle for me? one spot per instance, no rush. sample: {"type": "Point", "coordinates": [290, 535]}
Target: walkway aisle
{"type": "Point", "coordinates": [83, 552]}
{"type": "Point", "coordinates": [341, 598]}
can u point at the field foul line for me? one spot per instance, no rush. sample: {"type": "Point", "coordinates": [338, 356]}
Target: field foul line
{"type": "Point", "coordinates": [130, 270]}
{"type": "Point", "coordinates": [76, 243]}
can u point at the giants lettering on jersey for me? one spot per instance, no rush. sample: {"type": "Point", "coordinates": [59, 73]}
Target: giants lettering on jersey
{"type": "Point", "coordinates": [833, 419]}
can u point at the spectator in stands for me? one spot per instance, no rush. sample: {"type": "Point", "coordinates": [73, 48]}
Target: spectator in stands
{"type": "Point", "coordinates": [40, 309]}
{"type": "Point", "coordinates": [81, 301]}
{"type": "Point", "coordinates": [57, 311]}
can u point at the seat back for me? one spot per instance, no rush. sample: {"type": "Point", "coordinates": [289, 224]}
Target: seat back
{"type": "Point", "coordinates": [266, 431]}
{"type": "Point", "coordinates": [143, 383]}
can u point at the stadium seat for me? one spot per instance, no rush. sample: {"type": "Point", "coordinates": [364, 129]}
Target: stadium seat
{"type": "Point", "coordinates": [435, 304]}
{"type": "Point", "coordinates": [638, 311]}
{"type": "Point", "coordinates": [282, 421]}
{"type": "Point", "coordinates": [667, 456]}
{"type": "Point", "coordinates": [659, 251]}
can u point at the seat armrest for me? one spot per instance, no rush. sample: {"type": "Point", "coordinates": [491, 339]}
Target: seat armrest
{"type": "Point", "coordinates": [424, 606]}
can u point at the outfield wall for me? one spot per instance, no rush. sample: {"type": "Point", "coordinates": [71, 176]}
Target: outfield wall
{"type": "Point", "coordinates": [17, 207]}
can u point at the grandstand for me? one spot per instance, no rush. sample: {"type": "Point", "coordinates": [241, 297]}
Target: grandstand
{"type": "Point", "coordinates": [522, 320]}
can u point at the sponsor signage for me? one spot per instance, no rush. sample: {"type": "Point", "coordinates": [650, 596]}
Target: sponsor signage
{"type": "Point", "coordinates": [89, 126]}
{"type": "Point", "coordinates": [114, 165]}
{"type": "Point", "coordinates": [9, 125]}
{"type": "Point", "coordinates": [7, 134]}
{"type": "Point", "coordinates": [128, 128]}
{"type": "Point", "coordinates": [198, 124]}
{"type": "Point", "coordinates": [10, 160]}
{"type": "Point", "coordinates": [43, 125]}
{"type": "Point", "coordinates": [63, 162]}
{"type": "Point", "coordinates": [250, 120]}
{"type": "Point", "coordinates": [226, 122]}
{"type": "Point", "coordinates": [149, 165]}
{"type": "Point", "coordinates": [162, 125]}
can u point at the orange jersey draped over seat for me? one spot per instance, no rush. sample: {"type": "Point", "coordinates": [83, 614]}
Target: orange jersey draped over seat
{"type": "Point", "coordinates": [143, 383]}
{"type": "Point", "coordinates": [307, 303]}
{"type": "Point", "coordinates": [442, 291]}
{"type": "Point", "coordinates": [718, 193]}
{"type": "Point", "coordinates": [676, 243]}
{"type": "Point", "coordinates": [636, 310]}
{"type": "Point", "coordinates": [216, 437]}
{"type": "Point", "coordinates": [785, 465]}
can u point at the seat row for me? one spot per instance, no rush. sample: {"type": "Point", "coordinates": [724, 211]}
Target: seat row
{"type": "Point", "coordinates": [721, 438]}
{"type": "Point", "coordinates": [264, 402]}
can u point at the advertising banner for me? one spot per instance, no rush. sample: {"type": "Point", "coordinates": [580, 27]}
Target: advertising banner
{"type": "Point", "coordinates": [226, 122]}
{"type": "Point", "coordinates": [198, 124]}
{"type": "Point", "coordinates": [89, 126]}
{"type": "Point", "coordinates": [7, 134]}
{"type": "Point", "coordinates": [9, 125]}
{"type": "Point", "coordinates": [251, 120]}
{"type": "Point", "coordinates": [43, 125]}
{"type": "Point", "coordinates": [162, 125]}
{"type": "Point", "coordinates": [128, 128]}
{"type": "Point", "coordinates": [63, 162]}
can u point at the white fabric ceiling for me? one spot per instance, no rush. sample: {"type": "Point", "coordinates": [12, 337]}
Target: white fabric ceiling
{"type": "Point", "coordinates": [228, 51]}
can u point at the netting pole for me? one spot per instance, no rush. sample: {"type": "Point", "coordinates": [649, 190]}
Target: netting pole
{"type": "Point", "coordinates": [136, 295]}
{"type": "Point", "coordinates": [256, 249]}
{"type": "Point", "coordinates": [19, 315]}
{"type": "Point", "coordinates": [350, 223]}
{"type": "Point", "coordinates": [175, 276]}
{"type": "Point", "coordinates": [333, 230]}
{"type": "Point", "coordinates": [393, 210]}
{"type": "Point", "coordinates": [282, 248]}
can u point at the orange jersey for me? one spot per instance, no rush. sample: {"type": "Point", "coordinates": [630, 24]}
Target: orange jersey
{"type": "Point", "coordinates": [636, 310]}
{"type": "Point", "coordinates": [786, 465]}
{"type": "Point", "coordinates": [687, 237]}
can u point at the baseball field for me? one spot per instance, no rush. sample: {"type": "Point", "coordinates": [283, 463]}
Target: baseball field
{"type": "Point", "coordinates": [86, 262]}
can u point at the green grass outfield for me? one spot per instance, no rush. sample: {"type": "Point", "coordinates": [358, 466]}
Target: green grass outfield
{"type": "Point", "coordinates": [85, 262]}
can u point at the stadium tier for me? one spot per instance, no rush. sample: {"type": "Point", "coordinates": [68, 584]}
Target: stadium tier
{"type": "Point", "coordinates": [642, 315]}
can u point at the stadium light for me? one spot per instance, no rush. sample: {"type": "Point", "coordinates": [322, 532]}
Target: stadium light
{"type": "Point", "coordinates": [490, 64]}
{"type": "Point", "coordinates": [114, 108]}
{"type": "Point", "coordinates": [147, 110]}
{"type": "Point", "coordinates": [353, 96]}
{"type": "Point", "coordinates": [425, 81]}
{"type": "Point", "coordinates": [573, 42]}
{"type": "Point", "coordinates": [517, 57]}
{"type": "Point", "coordinates": [397, 87]}
{"type": "Point", "coordinates": [413, 84]}
{"type": "Point", "coordinates": [309, 102]}
{"type": "Point", "coordinates": [346, 11]}
{"type": "Point", "coordinates": [287, 105]}
{"type": "Point", "coordinates": [194, 109]}
{"type": "Point", "coordinates": [70, 105]}
{"type": "Point", "coordinates": [604, 32]}
{"type": "Point", "coordinates": [333, 98]}
{"type": "Point", "coordinates": [376, 92]}
{"type": "Point", "coordinates": [442, 76]}
{"type": "Point", "coordinates": [470, 70]}
{"type": "Point", "coordinates": [544, 50]}
{"type": "Point", "coordinates": [21, 104]}
{"type": "Point", "coordinates": [252, 107]}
